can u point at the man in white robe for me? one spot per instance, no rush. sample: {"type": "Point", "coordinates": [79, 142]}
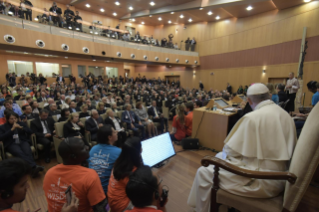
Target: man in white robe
{"type": "Point", "coordinates": [262, 140]}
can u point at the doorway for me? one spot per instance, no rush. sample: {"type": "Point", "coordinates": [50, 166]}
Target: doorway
{"type": "Point", "coordinates": [169, 79]}
{"type": "Point", "coordinates": [277, 81]}
{"type": "Point", "coordinates": [127, 73]}
{"type": "Point", "coordinates": [131, 30]}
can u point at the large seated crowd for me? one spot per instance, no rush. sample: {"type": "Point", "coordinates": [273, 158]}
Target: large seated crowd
{"type": "Point", "coordinates": [104, 122]}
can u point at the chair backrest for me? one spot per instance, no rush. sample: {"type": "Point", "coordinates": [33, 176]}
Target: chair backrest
{"type": "Point", "coordinates": [59, 128]}
{"type": "Point", "coordinates": [304, 161]}
{"type": "Point", "coordinates": [41, 104]}
{"type": "Point", "coordinates": [103, 116]}
{"type": "Point", "coordinates": [29, 122]}
{"type": "Point", "coordinates": [83, 120]}
{"type": "Point", "coordinates": [21, 102]}
{"type": "Point", "coordinates": [56, 117]}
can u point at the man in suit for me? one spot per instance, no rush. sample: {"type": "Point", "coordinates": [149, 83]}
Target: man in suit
{"type": "Point", "coordinates": [27, 113]}
{"type": "Point", "coordinates": [43, 127]}
{"type": "Point", "coordinates": [73, 107]}
{"type": "Point", "coordinates": [61, 102]}
{"type": "Point", "coordinates": [60, 79]}
{"type": "Point", "coordinates": [43, 97]}
{"type": "Point", "coordinates": [281, 93]}
{"type": "Point", "coordinates": [57, 11]}
{"type": "Point", "coordinates": [116, 123]}
{"type": "Point", "coordinates": [19, 96]}
{"type": "Point", "coordinates": [53, 110]}
{"type": "Point", "coordinates": [69, 15]}
{"type": "Point", "coordinates": [16, 138]}
{"type": "Point", "coordinates": [155, 112]}
{"type": "Point", "coordinates": [229, 88]}
{"type": "Point", "coordinates": [46, 105]}
{"type": "Point", "coordinates": [192, 44]}
{"type": "Point", "coordinates": [78, 25]}
{"type": "Point", "coordinates": [133, 121]}
{"type": "Point", "coordinates": [89, 104]}
{"type": "Point", "coordinates": [93, 124]}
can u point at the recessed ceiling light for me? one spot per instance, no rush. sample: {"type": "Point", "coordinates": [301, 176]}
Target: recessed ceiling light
{"type": "Point", "coordinates": [217, 17]}
{"type": "Point", "coordinates": [133, 19]}
{"type": "Point", "coordinates": [102, 10]}
{"type": "Point", "coordinates": [114, 14]}
{"type": "Point", "coordinates": [94, 60]}
{"type": "Point", "coordinates": [307, 1]}
{"type": "Point", "coordinates": [159, 18]}
{"type": "Point", "coordinates": [130, 24]}
{"type": "Point", "coordinates": [249, 8]}
{"type": "Point", "coordinates": [131, 8]}
{"type": "Point", "coordinates": [150, 15]}
{"type": "Point", "coordinates": [172, 12]}
{"type": "Point", "coordinates": [210, 13]}
{"type": "Point", "coordinates": [181, 16]}
{"type": "Point", "coordinates": [169, 21]}
{"type": "Point", "coordinates": [117, 3]}
{"type": "Point", "coordinates": [190, 20]}
{"type": "Point", "coordinates": [66, 57]}
{"type": "Point", "coordinates": [201, 8]}
{"type": "Point", "coordinates": [152, 3]}
{"type": "Point", "coordinates": [142, 23]}
{"type": "Point", "coordinates": [87, 5]}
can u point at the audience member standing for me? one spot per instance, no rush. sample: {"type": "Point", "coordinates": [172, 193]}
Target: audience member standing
{"type": "Point", "coordinates": [292, 88]}
{"type": "Point", "coordinates": [192, 44]}
{"type": "Point", "coordinates": [229, 88]}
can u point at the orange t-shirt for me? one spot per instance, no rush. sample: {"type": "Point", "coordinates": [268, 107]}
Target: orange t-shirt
{"type": "Point", "coordinates": [116, 193]}
{"type": "Point", "coordinates": [85, 183]}
{"type": "Point", "coordinates": [180, 129]}
{"type": "Point", "coordinates": [9, 210]}
{"type": "Point", "coordinates": [189, 124]}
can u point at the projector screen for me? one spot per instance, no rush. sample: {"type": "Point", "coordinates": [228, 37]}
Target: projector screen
{"type": "Point", "coordinates": [157, 149]}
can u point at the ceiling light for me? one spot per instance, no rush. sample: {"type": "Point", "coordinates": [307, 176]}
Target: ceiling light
{"type": "Point", "coordinates": [142, 23]}
{"type": "Point", "coordinates": [169, 21]}
{"type": "Point", "coordinates": [210, 13]}
{"type": "Point", "coordinates": [181, 16]}
{"type": "Point", "coordinates": [131, 8]}
{"type": "Point", "coordinates": [172, 12]}
{"type": "Point", "coordinates": [130, 24]}
{"type": "Point", "coordinates": [307, 1]}
{"type": "Point", "coordinates": [107, 61]}
{"type": "Point", "coordinates": [152, 3]}
{"type": "Point", "coordinates": [87, 5]}
{"type": "Point", "coordinates": [102, 10]}
{"type": "Point", "coordinates": [159, 18]}
{"type": "Point", "coordinates": [66, 57]}
{"type": "Point", "coordinates": [150, 15]}
{"type": "Point", "coordinates": [217, 17]}
{"type": "Point", "coordinates": [190, 20]}
{"type": "Point", "coordinates": [114, 14]}
{"type": "Point", "coordinates": [201, 8]}
{"type": "Point", "coordinates": [249, 8]}
{"type": "Point", "coordinates": [96, 33]}
{"type": "Point", "coordinates": [117, 3]}
{"type": "Point", "coordinates": [94, 60]}
{"type": "Point", "coordinates": [133, 19]}
{"type": "Point", "coordinates": [36, 19]}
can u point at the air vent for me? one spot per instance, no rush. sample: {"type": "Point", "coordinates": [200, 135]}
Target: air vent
{"type": "Point", "coordinates": [156, 58]}
{"type": "Point", "coordinates": [186, 61]}
{"type": "Point", "coordinates": [196, 62]}
{"type": "Point", "coordinates": [65, 47]}
{"type": "Point", "coordinates": [167, 59]}
{"type": "Point", "coordinates": [133, 56]}
{"type": "Point", "coordinates": [9, 39]}
{"type": "Point", "coordinates": [177, 60]}
{"type": "Point", "coordinates": [40, 43]}
{"type": "Point", "coordinates": [145, 57]}
{"type": "Point", "coordinates": [86, 50]}
{"type": "Point", "coordinates": [119, 54]}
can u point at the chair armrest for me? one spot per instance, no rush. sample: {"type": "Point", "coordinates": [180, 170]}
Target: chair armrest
{"type": "Point", "coordinates": [249, 173]}
{"type": "Point", "coordinates": [34, 144]}
{"type": "Point", "coordinates": [2, 155]}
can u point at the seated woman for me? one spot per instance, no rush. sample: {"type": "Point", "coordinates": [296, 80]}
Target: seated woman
{"type": "Point", "coordinates": [142, 114]}
{"type": "Point", "coordinates": [273, 93]}
{"type": "Point", "coordinates": [114, 107]}
{"type": "Point", "coordinates": [179, 126]}
{"type": "Point", "coordinates": [74, 128]}
{"type": "Point", "coordinates": [128, 161]}
{"type": "Point", "coordinates": [84, 111]}
{"type": "Point", "coordinates": [116, 123]}
{"type": "Point", "coordinates": [100, 108]}
{"type": "Point", "coordinates": [64, 115]}
{"type": "Point", "coordinates": [104, 153]}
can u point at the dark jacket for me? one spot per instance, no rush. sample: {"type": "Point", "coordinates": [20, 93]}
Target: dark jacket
{"type": "Point", "coordinates": [58, 79]}
{"type": "Point", "coordinates": [69, 130]}
{"type": "Point", "coordinates": [125, 117]}
{"type": "Point", "coordinates": [282, 96]}
{"type": "Point", "coordinates": [110, 122]}
{"type": "Point", "coordinates": [40, 99]}
{"type": "Point", "coordinates": [6, 135]}
{"type": "Point", "coordinates": [151, 112]}
{"type": "Point", "coordinates": [56, 112]}
{"type": "Point", "coordinates": [91, 126]}
{"type": "Point", "coordinates": [31, 116]}
{"type": "Point", "coordinates": [36, 126]}
{"type": "Point", "coordinates": [82, 115]}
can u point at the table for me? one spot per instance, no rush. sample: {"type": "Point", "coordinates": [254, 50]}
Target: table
{"type": "Point", "coordinates": [212, 127]}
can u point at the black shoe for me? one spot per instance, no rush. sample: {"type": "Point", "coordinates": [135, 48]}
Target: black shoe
{"type": "Point", "coordinates": [36, 170]}
{"type": "Point", "coordinates": [47, 160]}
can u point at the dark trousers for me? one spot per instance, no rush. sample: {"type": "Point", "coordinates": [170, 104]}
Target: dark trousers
{"type": "Point", "coordinates": [46, 142]}
{"type": "Point", "coordinates": [192, 48]}
{"type": "Point", "coordinates": [78, 25]}
{"type": "Point", "coordinates": [299, 125]}
{"type": "Point", "coordinates": [122, 136]}
{"type": "Point", "coordinates": [23, 151]}
{"type": "Point", "coordinates": [173, 137]}
{"type": "Point", "coordinates": [27, 15]}
{"type": "Point", "coordinates": [163, 122]}
{"type": "Point", "coordinates": [186, 46]}
{"type": "Point", "coordinates": [136, 129]}
{"type": "Point", "coordinates": [291, 103]}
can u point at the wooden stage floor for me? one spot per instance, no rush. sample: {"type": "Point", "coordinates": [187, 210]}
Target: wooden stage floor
{"type": "Point", "coordinates": [177, 174]}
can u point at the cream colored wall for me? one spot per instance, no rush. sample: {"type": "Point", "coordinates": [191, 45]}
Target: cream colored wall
{"type": "Point", "coordinates": [234, 34]}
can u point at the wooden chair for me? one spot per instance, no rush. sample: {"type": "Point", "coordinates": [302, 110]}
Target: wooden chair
{"type": "Point", "coordinates": [58, 139]}
{"type": "Point", "coordinates": [21, 102]}
{"type": "Point", "coordinates": [87, 133]}
{"type": "Point", "coordinates": [1, 151]}
{"type": "Point", "coordinates": [303, 165]}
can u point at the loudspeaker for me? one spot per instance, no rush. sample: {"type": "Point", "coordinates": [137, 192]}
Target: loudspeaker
{"type": "Point", "coordinates": [190, 143]}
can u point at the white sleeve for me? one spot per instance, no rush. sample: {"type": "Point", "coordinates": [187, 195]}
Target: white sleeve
{"type": "Point", "coordinates": [173, 130]}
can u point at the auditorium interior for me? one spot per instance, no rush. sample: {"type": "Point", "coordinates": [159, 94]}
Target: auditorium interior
{"type": "Point", "coordinates": [210, 58]}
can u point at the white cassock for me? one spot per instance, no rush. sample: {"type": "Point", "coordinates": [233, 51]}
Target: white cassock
{"type": "Point", "coordinates": [262, 140]}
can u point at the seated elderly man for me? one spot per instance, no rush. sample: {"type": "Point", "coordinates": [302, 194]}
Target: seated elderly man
{"type": "Point", "coordinates": [133, 121]}
{"type": "Point", "coordinates": [93, 124]}
{"type": "Point", "coordinates": [46, 105]}
{"type": "Point", "coordinates": [54, 110]}
{"type": "Point", "coordinates": [27, 113]}
{"type": "Point", "coordinates": [262, 140]}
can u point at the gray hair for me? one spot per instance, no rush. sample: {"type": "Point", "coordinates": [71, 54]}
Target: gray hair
{"type": "Point", "coordinates": [51, 105]}
{"type": "Point", "coordinates": [93, 111]}
{"type": "Point", "coordinates": [259, 98]}
{"type": "Point", "coordinates": [126, 105]}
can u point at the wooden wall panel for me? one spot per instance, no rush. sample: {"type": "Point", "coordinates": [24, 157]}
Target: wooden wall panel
{"type": "Point", "coordinates": [234, 34]}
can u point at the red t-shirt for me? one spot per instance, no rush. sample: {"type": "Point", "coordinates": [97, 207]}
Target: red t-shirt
{"type": "Point", "coordinates": [116, 193]}
{"type": "Point", "coordinates": [189, 123]}
{"type": "Point", "coordinates": [9, 210]}
{"type": "Point", "coordinates": [180, 129]}
{"type": "Point", "coordinates": [85, 182]}
{"type": "Point", "coordinates": [146, 209]}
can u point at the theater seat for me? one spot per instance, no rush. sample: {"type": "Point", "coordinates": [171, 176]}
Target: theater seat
{"type": "Point", "coordinates": [87, 133]}
{"type": "Point", "coordinates": [58, 138]}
